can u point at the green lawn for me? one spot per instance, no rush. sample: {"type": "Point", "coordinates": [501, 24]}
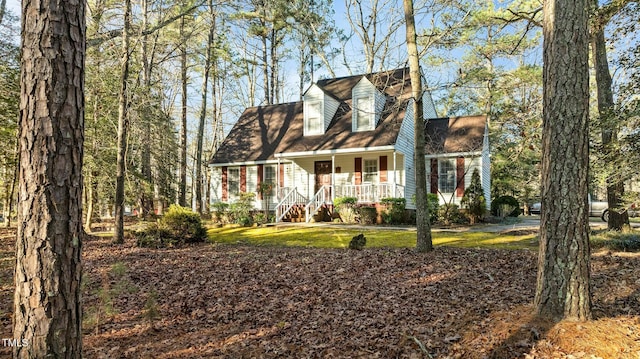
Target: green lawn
{"type": "Point", "coordinates": [331, 237]}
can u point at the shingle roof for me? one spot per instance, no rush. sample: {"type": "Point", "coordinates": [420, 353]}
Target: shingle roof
{"type": "Point", "coordinates": [264, 131]}
{"type": "Point", "coordinates": [455, 134]}
{"type": "Point", "coordinates": [261, 132]}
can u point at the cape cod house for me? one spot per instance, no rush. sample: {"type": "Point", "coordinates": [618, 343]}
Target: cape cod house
{"type": "Point", "coordinates": [351, 136]}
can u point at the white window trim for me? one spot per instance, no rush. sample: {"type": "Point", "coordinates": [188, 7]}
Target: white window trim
{"type": "Point", "coordinates": [307, 108]}
{"type": "Point", "coordinates": [441, 174]}
{"type": "Point", "coordinates": [377, 176]}
{"type": "Point", "coordinates": [370, 113]}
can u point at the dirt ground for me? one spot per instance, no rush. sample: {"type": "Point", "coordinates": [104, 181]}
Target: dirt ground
{"type": "Point", "coordinates": [209, 301]}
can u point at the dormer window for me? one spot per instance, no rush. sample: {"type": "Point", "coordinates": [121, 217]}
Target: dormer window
{"type": "Point", "coordinates": [314, 119]}
{"type": "Point", "coordinates": [364, 119]}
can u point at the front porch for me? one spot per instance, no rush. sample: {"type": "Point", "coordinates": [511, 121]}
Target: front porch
{"type": "Point", "coordinates": [295, 207]}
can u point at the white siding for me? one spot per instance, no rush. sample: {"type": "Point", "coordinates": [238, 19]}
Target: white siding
{"type": "Point", "coordinates": [428, 108]}
{"type": "Point", "coordinates": [404, 145]}
{"type": "Point", "coordinates": [363, 89]}
{"type": "Point", "coordinates": [329, 105]}
{"type": "Point", "coordinates": [330, 108]}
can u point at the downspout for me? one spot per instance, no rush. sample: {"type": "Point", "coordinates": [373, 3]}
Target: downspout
{"type": "Point", "coordinates": [395, 175]}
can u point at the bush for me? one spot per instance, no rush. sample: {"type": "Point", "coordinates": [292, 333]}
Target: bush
{"type": "Point", "coordinates": [345, 206]}
{"type": "Point", "coordinates": [221, 213]}
{"type": "Point", "coordinates": [394, 212]}
{"type": "Point", "coordinates": [366, 214]}
{"type": "Point", "coordinates": [240, 210]}
{"type": "Point", "coordinates": [179, 225]}
{"type": "Point", "coordinates": [449, 214]}
{"type": "Point", "coordinates": [358, 242]}
{"type": "Point", "coordinates": [505, 206]}
{"type": "Point", "coordinates": [473, 199]}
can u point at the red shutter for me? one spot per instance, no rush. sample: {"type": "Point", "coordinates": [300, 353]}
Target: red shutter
{"type": "Point", "coordinates": [460, 176]}
{"type": "Point", "coordinates": [358, 171]}
{"type": "Point", "coordinates": [434, 175]}
{"type": "Point", "coordinates": [383, 169]}
{"type": "Point", "coordinates": [281, 182]}
{"type": "Point", "coordinates": [260, 179]}
{"type": "Point", "coordinates": [243, 179]}
{"type": "Point", "coordinates": [225, 185]}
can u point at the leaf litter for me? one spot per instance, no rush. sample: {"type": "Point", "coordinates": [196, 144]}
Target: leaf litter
{"type": "Point", "coordinates": [208, 301]}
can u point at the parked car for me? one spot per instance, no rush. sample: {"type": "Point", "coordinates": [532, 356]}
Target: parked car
{"type": "Point", "coordinates": [596, 208]}
{"type": "Point", "coordinates": [535, 208]}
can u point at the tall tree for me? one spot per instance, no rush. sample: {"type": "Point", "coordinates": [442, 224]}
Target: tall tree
{"type": "Point", "coordinates": [47, 307]}
{"type": "Point", "coordinates": [563, 289]}
{"type": "Point", "coordinates": [424, 242]}
{"type": "Point", "coordinates": [609, 128]}
{"type": "Point", "coordinates": [123, 127]}
{"type": "Point", "coordinates": [182, 191]}
{"type": "Point", "coordinates": [209, 53]}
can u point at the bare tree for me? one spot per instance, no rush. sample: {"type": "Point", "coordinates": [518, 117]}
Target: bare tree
{"type": "Point", "coordinates": [47, 319]}
{"type": "Point", "coordinates": [123, 127]}
{"type": "Point", "coordinates": [563, 289]}
{"type": "Point", "coordinates": [424, 242]}
{"type": "Point", "coordinates": [375, 24]}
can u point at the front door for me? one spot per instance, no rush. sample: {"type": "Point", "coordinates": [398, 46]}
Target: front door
{"type": "Point", "coordinates": [323, 177]}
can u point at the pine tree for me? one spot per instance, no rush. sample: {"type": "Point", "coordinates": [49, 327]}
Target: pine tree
{"type": "Point", "coordinates": [473, 199]}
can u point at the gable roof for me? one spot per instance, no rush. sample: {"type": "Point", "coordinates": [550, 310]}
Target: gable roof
{"type": "Point", "coordinates": [455, 134]}
{"type": "Point", "coordinates": [264, 131]}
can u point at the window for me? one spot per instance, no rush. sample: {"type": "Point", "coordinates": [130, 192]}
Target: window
{"type": "Point", "coordinates": [270, 177]}
{"type": "Point", "coordinates": [313, 117]}
{"type": "Point", "coordinates": [447, 175]}
{"type": "Point", "coordinates": [233, 180]}
{"type": "Point", "coordinates": [370, 171]}
{"type": "Point", "coordinates": [364, 114]}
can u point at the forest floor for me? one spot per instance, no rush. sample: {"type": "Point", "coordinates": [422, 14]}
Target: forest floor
{"type": "Point", "coordinates": [239, 301]}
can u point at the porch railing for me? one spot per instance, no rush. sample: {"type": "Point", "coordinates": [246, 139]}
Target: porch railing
{"type": "Point", "coordinates": [291, 199]}
{"type": "Point", "coordinates": [369, 192]}
{"type": "Point", "coordinates": [320, 198]}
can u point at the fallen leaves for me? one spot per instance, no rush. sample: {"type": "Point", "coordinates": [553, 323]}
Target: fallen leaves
{"type": "Point", "coordinates": [265, 302]}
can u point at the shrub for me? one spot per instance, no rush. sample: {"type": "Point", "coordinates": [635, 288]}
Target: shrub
{"type": "Point", "coordinates": [184, 224]}
{"type": "Point", "coordinates": [449, 214]}
{"type": "Point", "coordinates": [505, 206]}
{"type": "Point", "coordinates": [179, 225]}
{"type": "Point", "coordinates": [241, 209]}
{"type": "Point", "coordinates": [366, 214]}
{"type": "Point", "coordinates": [473, 199]}
{"type": "Point", "coordinates": [345, 206]}
{"type": "Point", "coordinates": [358, 242]}
{"type": "Point", "coordinates": [394, 212]}
{"type": "Point", "coordinates": [221, 213]}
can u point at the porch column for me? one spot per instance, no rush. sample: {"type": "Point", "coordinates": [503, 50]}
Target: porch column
{"type": "Point", "coordinates": [333, 177]}
{"type": "Point", "coordinates": [395, 174]}
{"type": "Point", "coordinates": [277, 189]}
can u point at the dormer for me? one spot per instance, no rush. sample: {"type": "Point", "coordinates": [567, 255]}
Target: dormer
{"type": "Point", "coordinates": [319, 109]}
{"type": "Point", "coordinates": [368, 103]}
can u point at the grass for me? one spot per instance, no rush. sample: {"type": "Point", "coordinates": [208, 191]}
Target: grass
{"type": "Point", "coordinates": [332, 237]}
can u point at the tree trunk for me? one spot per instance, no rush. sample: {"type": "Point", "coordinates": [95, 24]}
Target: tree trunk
{"type": "Point", "coordinates": [563, 290]}
{"type": "Point", "coordinates": [203, 111]}
{"type": "Point", "coordinates": [123, 128]}
{"type": "Point", "coordinates": [146, 196]}
{"type": "Point", "coordinates": [618, 217]}
{"type": "Point", "coordinates": [424, 242]}
{"type": "Point", "coordinates": [8, 207]}
{"type": "Point", "coordinates": [47, 319]}
{"type": "Point", "coordinates": [182, 196]}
